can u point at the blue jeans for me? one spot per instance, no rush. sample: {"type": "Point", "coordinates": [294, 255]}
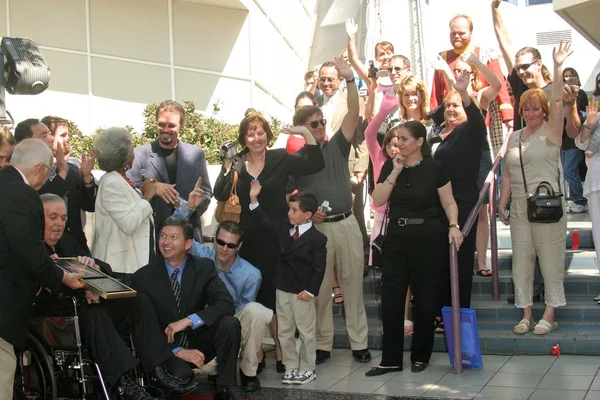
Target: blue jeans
{"type": "Point", "coordinates": [571, 159]}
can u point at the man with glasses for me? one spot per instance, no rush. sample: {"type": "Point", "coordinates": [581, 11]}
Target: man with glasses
{"type": "Point", "coordinates": [332, 184]}
{"type": "Point", "coordinates": [174, 165]}
{"type": "Point", "coordinates": [242, 280]}
{"type": "Point", "coordinates": [501, 110]}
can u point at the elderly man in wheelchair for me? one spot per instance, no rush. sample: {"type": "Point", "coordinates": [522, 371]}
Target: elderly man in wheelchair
{"type": "Point", "coordinates": [102, 324]}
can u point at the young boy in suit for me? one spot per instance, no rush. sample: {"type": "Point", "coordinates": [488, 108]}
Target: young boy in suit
{"type": "Point", "coordinates": [302, 261]}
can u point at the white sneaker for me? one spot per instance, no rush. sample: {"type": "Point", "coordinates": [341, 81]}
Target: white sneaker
{"type": "Point", "coordinates": [303, 377]}
{"type": "Point", "coordinates": [578, 209]}
{"type": "Point", "coordinates": [289, 376]}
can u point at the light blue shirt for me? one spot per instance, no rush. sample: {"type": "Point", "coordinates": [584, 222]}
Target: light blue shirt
{"type": "Point", "coordinates": [242, 279]}
{"type": "Point", "coordinates": [196, 320]}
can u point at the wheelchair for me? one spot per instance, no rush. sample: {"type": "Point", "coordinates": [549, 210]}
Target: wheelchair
{"type": "Point", "coordinates": [54, 364]}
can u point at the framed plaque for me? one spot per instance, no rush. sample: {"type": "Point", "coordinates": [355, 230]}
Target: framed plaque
{"type": "Point", "coordinates": [96, 281]}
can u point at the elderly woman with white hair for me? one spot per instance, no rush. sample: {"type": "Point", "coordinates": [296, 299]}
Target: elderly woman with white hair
{"type": "Point", "coordinates": [124, 234]}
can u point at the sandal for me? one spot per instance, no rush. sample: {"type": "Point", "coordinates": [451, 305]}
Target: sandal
{"type": "Point", "coordinates": [543, 327]}
{"type": "Point", "coordinates": [484, 272]}
{"type": "Point", "coordinates": [523, 326]}
{"type": "Point", "coordinates": [439, 326]}
{"type": "Point", "coordinates": [409, 327]}
{"type": "Point", "coordinates": [337, 296]}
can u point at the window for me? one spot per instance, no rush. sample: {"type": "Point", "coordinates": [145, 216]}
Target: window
{"type": "Point", "coordinates": [536, 2]}
{"type": "Point", "coordinates": [515, 2]}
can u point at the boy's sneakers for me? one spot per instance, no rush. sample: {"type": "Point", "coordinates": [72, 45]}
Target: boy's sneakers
{"type": "Point", "coordinates": [303, 377]}
{"type": "Point", "coordinates": [578, 208]}
{"type": "Point", "coordinates": [290, 376]}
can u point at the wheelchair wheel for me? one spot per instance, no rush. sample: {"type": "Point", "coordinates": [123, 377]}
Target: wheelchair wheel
{"type": "Point", "coordinates": [34, 375]}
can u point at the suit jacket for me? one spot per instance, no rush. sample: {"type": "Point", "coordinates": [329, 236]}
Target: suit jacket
{"type": "Point", "coordinates": [123, 221]}
{"type": "Point", "coordinates": [302, 263]}
{"type": "Point", "coordinates": [191, 163]}
{"type": "Point", "coordinates": [202, 292]}
{"type": "Point", "coordinates": [24, 264]}
{"type": "Point", "coordinates": [79, 198]}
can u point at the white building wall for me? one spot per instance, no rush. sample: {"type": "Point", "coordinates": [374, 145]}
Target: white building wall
{"type": "Point", "coordinates": [109, 58]}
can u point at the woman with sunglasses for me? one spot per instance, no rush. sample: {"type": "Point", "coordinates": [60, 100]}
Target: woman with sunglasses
{"type": "Point", "coordinates": [273, 168]}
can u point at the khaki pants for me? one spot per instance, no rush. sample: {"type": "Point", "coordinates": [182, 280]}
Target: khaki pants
{"type": "Point", "coordinates": [8, 363]}
{"type": "Point", "coordinates": [345, 252]}
{"type": "Point", "coordinates": [254, 319]}
{"type": "Point", "coordinates": [291, 314]}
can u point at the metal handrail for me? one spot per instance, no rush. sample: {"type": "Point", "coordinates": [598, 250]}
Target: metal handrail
{"type": "Point", "coordinates": [489, 188]}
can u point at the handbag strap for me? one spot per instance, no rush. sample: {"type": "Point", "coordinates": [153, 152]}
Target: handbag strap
{"type": "Point", "coordinates": [523, 170]}
{"type": "Point", "coordinates": [234, 183]}
{"type": "Point", "coordinates": [385, 219]}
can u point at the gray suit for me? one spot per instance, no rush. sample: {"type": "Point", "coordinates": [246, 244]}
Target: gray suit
{"type": "Point", "coordinates": [191, 163]}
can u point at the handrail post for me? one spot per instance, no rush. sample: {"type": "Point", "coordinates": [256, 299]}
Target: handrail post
{"type": "Point", "coordinates": [494, 239]}
{"type": "Point", "coordinates": [456, 335]}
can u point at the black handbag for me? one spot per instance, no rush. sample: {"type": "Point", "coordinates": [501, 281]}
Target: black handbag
{"type": "Point", "coordinates": [377, 244]}
{"type": "Point", "coordinates": [543, 205]}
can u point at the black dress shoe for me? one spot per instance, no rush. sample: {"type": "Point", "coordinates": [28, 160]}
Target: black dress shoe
{"type": "Point", "coordinates": [376, 371]}
{"type": "Point", "coordinates": [130, 390]}
{"type": "Point", "coordinates": [249, 383]}
{"type": "Point", "coordinates": [261, 365]}
{"type": "Point", "coordinates": [362, 356]}
{"type": "Point", "coordinates": [418, 366]}
{"type": "Point", "coordinates": [280, 367]}
{"type": "Point", "coordinates": [171, 384]}
{"type": "Point", "coordinates": [322, 356]}
{"type": "Point", "coordinates": [224, 395]}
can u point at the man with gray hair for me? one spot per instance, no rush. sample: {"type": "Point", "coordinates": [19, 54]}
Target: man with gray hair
{"type": "Point", "coordinates": [24, 263]}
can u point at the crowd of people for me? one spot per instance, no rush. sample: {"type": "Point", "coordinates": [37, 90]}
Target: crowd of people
{"type": "Point", "coordinates": [298, 240]}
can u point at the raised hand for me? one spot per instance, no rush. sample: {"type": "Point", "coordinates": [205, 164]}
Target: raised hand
{"type": "Point", "coordinates": [344, 69]}
{"type": "Point", "coordinates": [196, 195]}
{"type": "Point", "coordinates": [351, 27]}
{"type": "Point", "coordinates": [87, 165]}
{"type": "Point", "coordinates": [255, 188]}
{"type": "Point", "coordinates": [463, 79]}
{"type": "Point", "coordinates": [471, 58]}
{"type": "Point", "coordinates": [570, 94]}
{"type": "Point", "coordinates": [496, 3]}
{"type": "Point", "coordinates": [61, 160]}
{"type": "Point", "coordinates": [562, 53]}
{"type": "Point", "coordinates": [438, 63]}
{"type": "Point", "coordinates": [592, 115]}
{"type": "Point", "coordinates": [296, 130]}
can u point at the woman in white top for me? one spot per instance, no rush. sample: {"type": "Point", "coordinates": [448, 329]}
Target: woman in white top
{"type": "Point", "coordinates": [124, 234]}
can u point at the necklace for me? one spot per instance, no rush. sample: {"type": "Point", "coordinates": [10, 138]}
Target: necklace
{"type": "Point", "coordinates": [413, 165]}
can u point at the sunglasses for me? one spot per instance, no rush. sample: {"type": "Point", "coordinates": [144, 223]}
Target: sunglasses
{"type": "Point", "coordinates": [315, 124]}
{"type": "Point", "coordinates": [229, 245]}
{"type": "Point", "coordinates": [396, 69]}
{"type": "Point", "coordinates": [525, 67]}
{"type": "Point", "coordinates": [326, 79]}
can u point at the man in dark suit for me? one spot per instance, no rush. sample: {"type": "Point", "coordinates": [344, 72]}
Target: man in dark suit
{"type": "Point", "coordinates": [104, 322]}
{"type": "Point", "coordinates": [193, 306]}
{"type": "Point", "coordinates": [174, 165]}
{"type": "Point", "coordinates": [24, 264]}
{"type": "Point", "coordinates": [67, 180]}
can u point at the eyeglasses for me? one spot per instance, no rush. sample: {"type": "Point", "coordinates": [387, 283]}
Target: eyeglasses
{"type": "Point", "coordinates": [50, 170]}
{"type": "Point", "coordinates": [229, 245]}
{"type": "Point", "coordinates": [396, 69]}
{"type": "Point", "coordinates": [525, 67]}
{"type": "Point", "coordinates": [315, 124]}
{"type": "Point", "coordinates": [328, 79]}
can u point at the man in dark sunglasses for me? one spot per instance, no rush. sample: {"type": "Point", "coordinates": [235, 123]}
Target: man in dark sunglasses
{"type": "Point", "coordinates": [243, 281]}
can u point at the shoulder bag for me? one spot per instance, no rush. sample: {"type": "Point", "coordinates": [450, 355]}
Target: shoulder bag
{"type": "Point", "coordinates": [230, 209]}
{"type": "Point", "coordinates": [377, 244]}
{"type": "Point", "coordinates": [543, 205]}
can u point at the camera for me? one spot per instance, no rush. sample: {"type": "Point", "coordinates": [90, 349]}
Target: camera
{"type": "Point", "coordinates": [325, 207]}
{"type": "Point", "coordinates": [372, 69]}
{"type": "Point", "coordinates": [228, 150]}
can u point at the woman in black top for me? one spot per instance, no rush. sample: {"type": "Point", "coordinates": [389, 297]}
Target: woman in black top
{"type": "Point", "coordinates": [458, 147]}
{"type": "Point", "coordinates": [416, 246]}
{"type": "Point", "coordinates": [272, 168]}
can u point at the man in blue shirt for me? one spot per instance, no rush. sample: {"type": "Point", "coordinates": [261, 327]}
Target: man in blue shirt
{"type": "Point", "coordinates": [242, 280]}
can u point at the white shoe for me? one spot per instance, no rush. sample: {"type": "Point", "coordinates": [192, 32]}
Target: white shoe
{"type": "Point", "coordinates": [290, 376]}
{"type": "Point", "coordinates": [578, 209]}
{"type": "Point", "coordinates": [304, 377]}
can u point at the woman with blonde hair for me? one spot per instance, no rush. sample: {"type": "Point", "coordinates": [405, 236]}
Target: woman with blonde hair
{"type": "Point", "coordinates": [533, 157]}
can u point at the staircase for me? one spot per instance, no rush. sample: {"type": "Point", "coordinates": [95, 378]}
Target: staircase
{"type": "Point", "coordinates": [579, 321]}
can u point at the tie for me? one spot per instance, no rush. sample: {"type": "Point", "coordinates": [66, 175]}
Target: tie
{"type": "Point", "coordinates": [183, 342]}
{"type": "Point", "coordinates": [296, 234]}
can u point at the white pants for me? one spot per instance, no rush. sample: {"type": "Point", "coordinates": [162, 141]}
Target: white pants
{"type": "Point", "coordinates": [594, 205]}
{"type": "Point", "coordinates": [254, 319]}
{"type": "Point", "coordinates": [8, 363]}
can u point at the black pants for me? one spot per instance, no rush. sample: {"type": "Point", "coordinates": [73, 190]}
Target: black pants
{"type": "Point", "coordinates": [419, 259]}
{"type": "Point", "coordinates": [466, 259]}
{"type": "Point", "coordinates": [221, 340]}
{"type": "Point", "coordinates": [103, 326]}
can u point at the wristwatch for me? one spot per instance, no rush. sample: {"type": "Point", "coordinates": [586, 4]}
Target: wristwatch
{"type": "Point", "coordinates": [454, 226]}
